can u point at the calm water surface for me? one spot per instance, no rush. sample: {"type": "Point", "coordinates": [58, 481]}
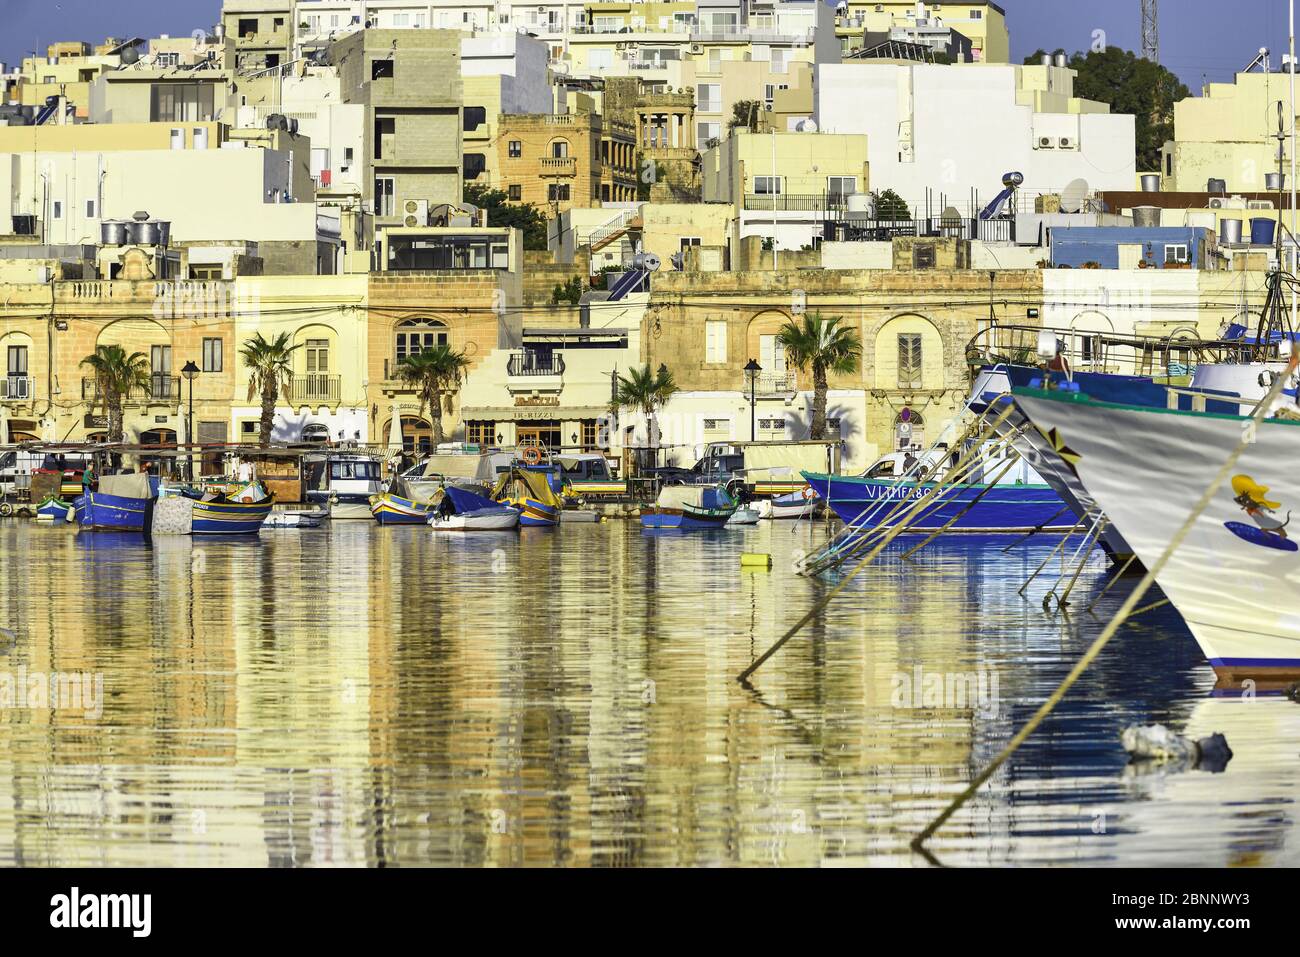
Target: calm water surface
{"type": "Point", "coordinates": [361, 696]}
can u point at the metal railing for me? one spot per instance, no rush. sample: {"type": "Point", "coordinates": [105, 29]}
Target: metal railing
{"type": "Point", "coordinates": [774, 383]}
{"type": "Point", "coordinates": [17, 388]}
{"type": "Point", "coordinates": [315, 387]}
{"type": "Point", "coordinates": [797, 202]}
{"type": "Point", "coordinates": [532, 363]}
{"type": "Point", "coordinates": [161, 388]}
{"type": "Point", "coordinates": [844, 228]}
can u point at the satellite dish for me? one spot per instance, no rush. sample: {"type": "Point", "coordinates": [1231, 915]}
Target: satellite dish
{"type": "Point", "coordinates": [1074, 196]}
{"type": "Point", "coordinates": [808, 126]}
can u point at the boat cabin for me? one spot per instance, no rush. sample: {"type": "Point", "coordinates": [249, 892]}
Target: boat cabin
{"type": "Point", "coordinates": [342, 477]}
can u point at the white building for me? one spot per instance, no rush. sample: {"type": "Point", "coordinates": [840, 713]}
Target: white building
{"type": "Point", "coordinates": [941, 132]}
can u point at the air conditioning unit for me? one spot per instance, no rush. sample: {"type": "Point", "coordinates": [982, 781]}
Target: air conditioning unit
{"type": "Point", "coordinates": [1046, 143]}
{"type": "Point", "coordinates": [1217, 202]}
{"type": "Point", "coordinates": [697, 47]}
{"type": "Point", "coordinates": [415, 212]}
{"type": "Point", "coordinates": [1259, 204]}
{"type": "Point", "coordinates": [1068, 143]}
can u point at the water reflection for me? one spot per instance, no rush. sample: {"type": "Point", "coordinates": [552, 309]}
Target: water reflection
{"type": "Point", "coordinates": [357, 695]}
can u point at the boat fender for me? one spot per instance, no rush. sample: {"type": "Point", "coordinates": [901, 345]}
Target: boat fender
{"type": "Point", "coordinates": [755, 560]}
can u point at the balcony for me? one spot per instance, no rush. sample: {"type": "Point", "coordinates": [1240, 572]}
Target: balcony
{"type": "Point", "coordinates": [315, 387]}
{"type": "Point", "coordinates": [797, 202]}
{"type": "Point", "coordinates": [559, 166]}
{"type": "Point", "coordinates": [17, 388]}
{"type": "Point", "coordinates": [535, 364]}
{"type": "Point", "coordinates": [161, 388]}
{"type": "Point", "coordinates": [775, 383]}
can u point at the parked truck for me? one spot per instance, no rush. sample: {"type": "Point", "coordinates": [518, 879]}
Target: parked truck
{"type": "Point", "coordinates": [761, 469]}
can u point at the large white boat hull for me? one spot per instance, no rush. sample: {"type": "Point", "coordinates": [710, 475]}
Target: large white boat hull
{"type": "Point", "coordinates": [1236, 577]}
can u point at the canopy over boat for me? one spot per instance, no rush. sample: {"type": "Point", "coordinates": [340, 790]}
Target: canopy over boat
{"type": "Point", "coordinates": [467, 500]}
{"type": "Point", "coordinates": [134, 485]}
{"type": "Point", "coordinates": [521, 483]}
{"type": "Point", "coordinates": [694, 496]}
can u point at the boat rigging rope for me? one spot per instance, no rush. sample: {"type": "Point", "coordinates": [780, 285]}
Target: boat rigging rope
{"type": "Point", "coordinates": [1124, 612]}
{"type": "Point", "coordinates": [888, 537]}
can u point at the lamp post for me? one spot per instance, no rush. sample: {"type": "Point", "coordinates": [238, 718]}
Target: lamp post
{"type": "Point", "coordinates": [752, 369]}
{"type": "Point", "coordinates": [190, 371]}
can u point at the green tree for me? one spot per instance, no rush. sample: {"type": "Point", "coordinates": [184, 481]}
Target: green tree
{"type": "Point", "coordinates": [116, 374]}
{"type": "Point", "coordinates": [1130, 84]}
{"type": "Point", "coordinates": [889, 205]}
{"type": "Point", "coordinates": [270, 369]}
{"type": "Point", "coordinates": [501, 212]}
{"type": "Point", "coordinates": [646, 391]}
{"type": "Point", "coordinates": [569, 291]}
{"type": "Point", "coordinates": [824, 346]}
{"type": "Point", "coordinates": [436, 373]}
{"type": "Point", "coordinates": [745, 114]}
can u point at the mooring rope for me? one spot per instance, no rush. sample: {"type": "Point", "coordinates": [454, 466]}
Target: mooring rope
{"type": "Point", "coordinates": [1125, 610]}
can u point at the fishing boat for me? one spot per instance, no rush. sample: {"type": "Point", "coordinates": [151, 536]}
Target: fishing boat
{"type": "Point", "coordinates": [55, 509]}
{"type": "Point", "coordinates": [801, 504]}
{"type": "Point", "coordinates": [1019, 501]}
{"type": "Point", "coordinates": [295, 518]}
{"type": "Point", "coordinates": [744, 516]}
{"type": "Point", "coordinates": [1234, 577]}
{"type": "Point", "coordinates": [118, 504]}
{"type": "Point", "coordinates": [690, 508]}
{"type": "Point", "coordinates": [466, 510]}
{"type": "Point", "coordinates": [184, 510]}
{"type": "Point", "coordinates": [398, 506]}
{"type": "Point", "coordinates": [530, 492]}
{"type": "Point", "coordinates": [342, 481]}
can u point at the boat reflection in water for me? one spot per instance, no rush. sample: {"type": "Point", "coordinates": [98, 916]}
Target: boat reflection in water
{"type": "Point", "coordinates": [568, 696]}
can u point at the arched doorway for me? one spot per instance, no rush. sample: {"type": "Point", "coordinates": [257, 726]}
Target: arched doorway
{"type": "Point", "coordinates": [909, 430]}
{"type": "Point", "coordinates": [417, 434]}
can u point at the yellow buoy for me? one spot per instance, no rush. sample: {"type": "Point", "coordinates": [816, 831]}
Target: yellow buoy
{"type": "Point", "coordinates": [755, 560]}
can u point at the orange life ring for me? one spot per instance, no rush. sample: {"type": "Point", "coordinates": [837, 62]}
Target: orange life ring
{"type": "Point", "coordinates": [808, 493]}
{"type": "Point", "coordinates": [532, 455]}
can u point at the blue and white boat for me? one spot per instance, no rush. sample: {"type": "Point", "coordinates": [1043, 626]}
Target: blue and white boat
{"type": "Point", "coordinates": [184, 510]}
{"type": "Point", "coordinates": [1019, 501]}
{"type": "Point", "coordinates": [690, 508]}
{"type": "Point", "coordinates": [118, 504]}
{"type": "Point", "coordinates": [56, 510]}
{"type": "Point", "coordinates": [465, 510]}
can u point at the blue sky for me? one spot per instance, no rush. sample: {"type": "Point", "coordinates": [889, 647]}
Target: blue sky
{"type": "Point", "coordinates": [1198, 38]}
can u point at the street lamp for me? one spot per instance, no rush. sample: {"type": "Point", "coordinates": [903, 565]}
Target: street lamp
{"type": "Point", "coordinates": [752, 369]}
{"type": "Point", "coordinates": [190, 371]}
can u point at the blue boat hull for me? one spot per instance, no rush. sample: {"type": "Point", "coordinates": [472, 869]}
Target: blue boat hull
{"type": "Point", "coordinates": [229, 518]}
{"type": "Point", "coordinates": [98, 510]}
{"type": "Point", "coordinates": [872, 503]}
{"type": "Point", "coordinates": [683, 520]}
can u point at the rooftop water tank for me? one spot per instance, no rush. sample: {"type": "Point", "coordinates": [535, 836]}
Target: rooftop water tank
{"type": "Point", "coordinates": [1230, 232]}
{"type": "Point", "coordinates": [1150, 182]}
{"type": "Point", "coordinates": [143, 233]}
{"type": "Point", "coordinates": [1062, 60]}
{"type": "Point", "coordinates": [1261, 231]}
{"type": "Point", "coordinates": [112, 232]}
{"type": "Point", "coordinates": [1145, 217]}
{"type": "Point", "coordinates": [1274, 182]}
{"type": "Point", "coordinates": [1217, 187]}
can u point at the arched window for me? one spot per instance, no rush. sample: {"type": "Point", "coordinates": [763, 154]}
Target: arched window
{"type": "Point", "coordinates": [416, 335]}
{"type": "Point", "coordinates": [417, 434]}
{"type": "Point", "coordinates": [559, 149]}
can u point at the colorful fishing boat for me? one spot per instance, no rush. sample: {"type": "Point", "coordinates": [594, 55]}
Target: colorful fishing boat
{"type": "Point", "coordinates": [690, 508]}
{"type": "Point", "coordinates": [465, 510]}
{"type": "Point", "coordinates": [1234, 578]}
{"type": "Point", "coordinates": [237, 517]}
{"type": "Point", "coordinates": [55, 509]}
{"type": "Point", "coordinates": [118, 504]}
{"type": "Point", "coordinates": [398, 506]}
{"type": "Point", "coordinates": [343, 481]}
{"type": "Point", "coordinates": [184, 510]}
{"type": "Point", "coordinates": [295, 518]}
{"type": "Point", "coordinates": [530, 492]}
{"type": "Point", "coordinates": [1019, 501]}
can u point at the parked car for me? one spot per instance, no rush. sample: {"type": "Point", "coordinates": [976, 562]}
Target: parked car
{"type": "Point", "coordinates": [716, 466]}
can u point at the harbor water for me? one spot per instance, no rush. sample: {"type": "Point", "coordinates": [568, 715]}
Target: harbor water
{"type": "Point", "coordinates": [357, 695]}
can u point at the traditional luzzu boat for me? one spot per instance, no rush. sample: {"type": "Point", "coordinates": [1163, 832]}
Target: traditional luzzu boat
{"type": "Point", "coordinates": [118, 504]}
{"type": "Point", "coordinates": [465, 510]}
{"type": "Point", "coordinates": [181, 510]}
{"type": "Point", "coordinates": [53, 509]}
{"type": "Point", "coordinates": [399, 506]}
{"type": "Point", "coordinates": [690, 508]}
{"type": "Point", "coordinates": [530, 492]}
{"type": "Point", "coordinates": [1019, 501]}
{"type": "Point", "coordinates": [1235, 577]}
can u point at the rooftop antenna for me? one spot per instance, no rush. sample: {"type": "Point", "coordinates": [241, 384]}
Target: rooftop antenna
{"type": "Point", "coordinates": [1150, 31]}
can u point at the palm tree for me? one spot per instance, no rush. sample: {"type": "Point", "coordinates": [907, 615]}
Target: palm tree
{"type": "Point", "coordinates": [436, 373]}
{"type": "Point", "coordinates": [646, 391]}
{"type": "Point", "coordinates": [269, 371]}
{"type": "Point", "coordinates": [827, 347]}
{"type": "Point", "coordinates": [116, 374]}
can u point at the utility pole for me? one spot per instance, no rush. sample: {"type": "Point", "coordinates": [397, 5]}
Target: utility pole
{"type": "Point", "coordinates": [1150, 31]}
